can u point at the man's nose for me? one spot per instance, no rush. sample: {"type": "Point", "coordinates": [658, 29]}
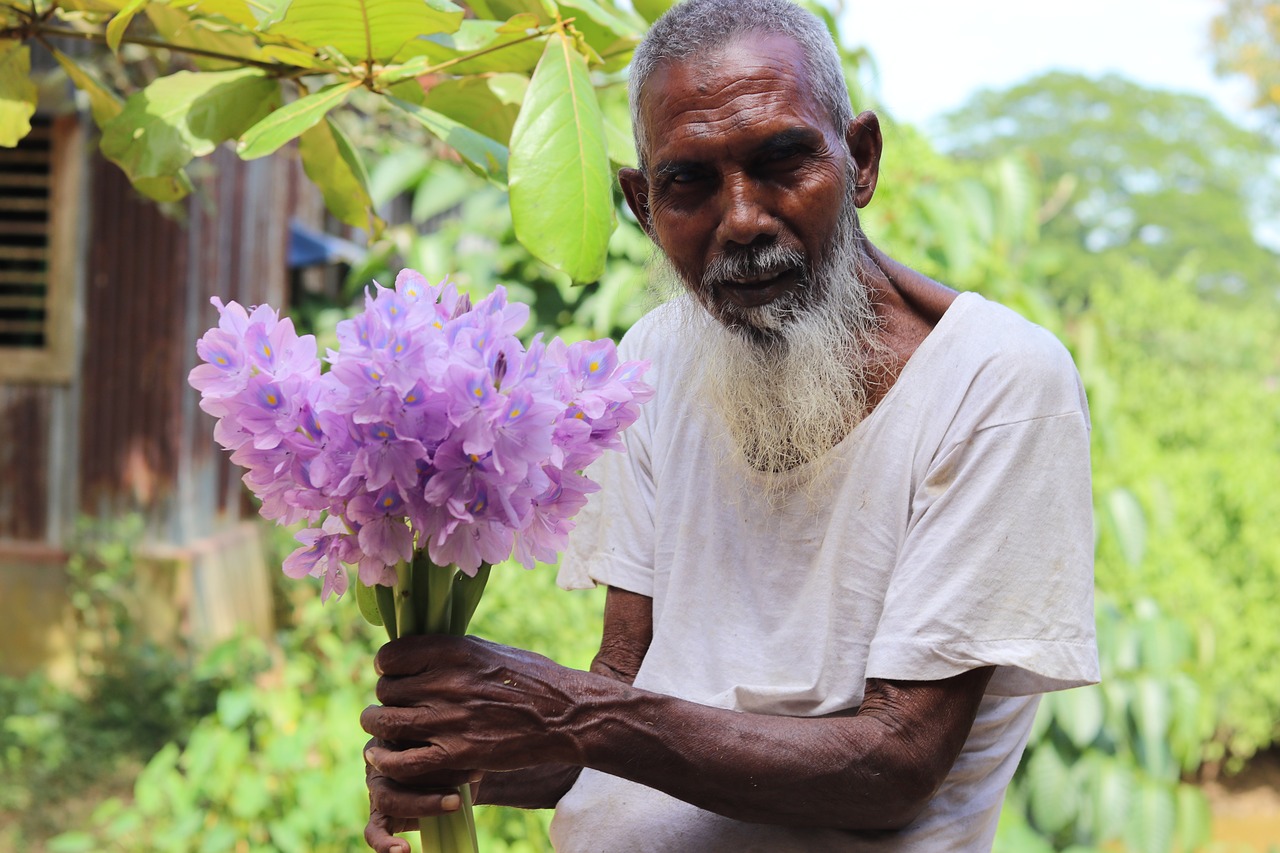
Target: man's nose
{"type": "Point", "coordinates": [744, 215]}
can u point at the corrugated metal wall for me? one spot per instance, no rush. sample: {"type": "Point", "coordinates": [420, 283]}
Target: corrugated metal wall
{"type": "Point", "coordinates": [137, 439]}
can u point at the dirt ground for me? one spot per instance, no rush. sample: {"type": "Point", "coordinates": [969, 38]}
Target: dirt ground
{"type": "Point", "coordinates": [1246, 807]}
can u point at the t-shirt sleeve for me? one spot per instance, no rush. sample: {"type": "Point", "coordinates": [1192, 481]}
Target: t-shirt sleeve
{"type": "Point", "coordinates": [996, 566]}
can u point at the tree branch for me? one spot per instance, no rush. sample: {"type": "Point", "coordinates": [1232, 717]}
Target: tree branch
{"type": "Point", "coordinates": [99, 38]}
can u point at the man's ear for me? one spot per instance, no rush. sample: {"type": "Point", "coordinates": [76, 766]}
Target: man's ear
{"type": "Point", "coordinates": [865, 145]}
{"type": "Point", "coordinates": [635, 188]}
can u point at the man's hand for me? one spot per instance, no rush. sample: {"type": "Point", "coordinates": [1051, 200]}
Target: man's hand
{"type": "Point", "coordinates": [395, 805]}
{"type": "Point", "coordinates": [462, 703]}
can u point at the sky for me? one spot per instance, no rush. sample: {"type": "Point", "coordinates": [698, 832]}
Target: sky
{"type": "Point", "coordinates": [932, 54]}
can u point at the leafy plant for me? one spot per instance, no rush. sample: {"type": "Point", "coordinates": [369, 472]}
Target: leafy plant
{"type": "Point", "coordinates": [136, 692]}
{"type": "Point", "coordinates": [278, 767]}
{"type": "Point", "coordinates": [1105, 763]}
{"type": "Point", "coordinates": [265, 74]}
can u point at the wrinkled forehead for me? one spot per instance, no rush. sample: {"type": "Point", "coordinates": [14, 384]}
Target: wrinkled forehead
{"type": "Point", "coordinates": [748, 63]}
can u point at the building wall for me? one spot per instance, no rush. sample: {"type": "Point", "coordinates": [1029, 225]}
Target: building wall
{"type": "Point", "coordinates": [124, 433]}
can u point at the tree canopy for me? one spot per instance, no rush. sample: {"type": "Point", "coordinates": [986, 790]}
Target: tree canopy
{"type": "Point", "coordinates": [1246, 41]}
{"type": "Point", "coordinates": [1142, 171]}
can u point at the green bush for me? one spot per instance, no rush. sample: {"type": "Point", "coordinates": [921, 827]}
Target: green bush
{"type": "Point", "coordinates": [278, 766]}
{"type": "Point", "coordinates": [1104, 764]}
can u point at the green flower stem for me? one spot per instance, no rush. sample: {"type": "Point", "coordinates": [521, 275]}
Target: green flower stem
{"type": "Point", "coordinates": [466, 595]}
{"type": "Point", "coordinates": [437, 584]}
{"type": "Point", "coordinates": [406, 615]}
{"type": "Point", "coordinates": [431, 599]}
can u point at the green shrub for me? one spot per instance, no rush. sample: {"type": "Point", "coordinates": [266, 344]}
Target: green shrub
{"type": "Point", "coordinates": [278, 766]}
{"type": "Point", "coordinates": [1105, 764]}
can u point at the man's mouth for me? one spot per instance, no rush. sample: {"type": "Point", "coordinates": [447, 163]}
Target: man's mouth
{"type": "Point", "coordinates": [760, 288]}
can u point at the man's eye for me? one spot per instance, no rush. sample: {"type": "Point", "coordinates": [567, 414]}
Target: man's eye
{"type": "Point", "coordinates": [685, 176]}
{"type": "Point", "coordinates": [781, 156]}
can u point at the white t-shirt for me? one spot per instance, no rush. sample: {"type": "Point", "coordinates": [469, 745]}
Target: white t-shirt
{"type": "Point", "coordinates": [954, 532]}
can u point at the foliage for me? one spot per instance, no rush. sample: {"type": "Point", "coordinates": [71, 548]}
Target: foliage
{"type": "Point", "coordinates": [1104, 763]}
{"type": "Point", "coordinates": [1185, 405]}
{"type": "Point", "coordinates": [1148, 174]}
{"type": "Point", "coordinates": [265, 74]}
{"type": "Point", "coordinates": [136, 694]}
{"type": "Point", "coordinates": [1246, 41]}
{"type": "Point", "coordinates": [277, 767]}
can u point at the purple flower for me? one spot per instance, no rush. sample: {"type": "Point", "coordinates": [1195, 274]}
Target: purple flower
{"type": "Point", "coordinates": [433, 425]}
{"type": "Point", "coordinates": [384, 535]}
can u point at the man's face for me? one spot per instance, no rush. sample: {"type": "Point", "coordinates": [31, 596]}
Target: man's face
{"type": "Point", "coordinates": [746, 175]}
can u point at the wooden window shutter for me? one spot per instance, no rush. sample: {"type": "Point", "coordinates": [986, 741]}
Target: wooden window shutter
{"type": "Point", "coordinates": [39, 189]}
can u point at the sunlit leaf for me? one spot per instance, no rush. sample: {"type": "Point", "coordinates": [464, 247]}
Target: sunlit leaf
{"type": "Point", "coordinates": [104, 103]}
{"type": "Point", "coordinates": [237, 11]}
{"type": "Point", "coordinates": [291, 120]}
{"type": "Point", "coordinates": [295, 56]}
{"type": "Point", "coordinates": [17, 93]}
{"type": "Point", "coordinates": [1080, 713]}
{"type": "Point", "coordinates": [1051, 798]}
{"type": "Point", "coordinates": [334, 165]}
{"type": "Point", "coordinates": [366, 30]}
{"type": "Point", "coordinates": [612, 33]}
{"type": "Point", "coordinates": [118, 24]}
{"type": "Point", "coordinates": [651, 10]}
{"type": "Point", "coordinates": [1194, 822]}
{"type": "Point", "coordinates": [1151, 819]}
{"type": "Point", "coordinates": [185, 115]}
{"type": "Point", "coordinates": [488, 104]}
{"type": "Point", "coordinates": [179, 28]}
{"type": "Point", "coordinates": [543, 10]}
{"type": "Point", "coordinates": [502, 51]}
{"type": "Point", "coordinates": [617, 130]}
{"type": "Point", "coordinates": [1152, 710]}
{"type": "Point", "coordinates": [482, 154]}
{"type": "Point", "coordinates": [164, 187]}
{"type": "Point", "coordinates": [1109, 790]}
{"type": "Point", "coordinates": [1129, 523]}
{"type": "Point", "coordinates": [561, 200]}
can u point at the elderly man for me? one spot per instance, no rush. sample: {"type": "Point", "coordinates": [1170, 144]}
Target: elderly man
{"type": "Point", "coordinates": [850, 542]}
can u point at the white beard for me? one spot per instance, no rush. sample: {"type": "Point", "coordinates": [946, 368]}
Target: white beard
{"type": "Point", "coordinates": [790, 379]}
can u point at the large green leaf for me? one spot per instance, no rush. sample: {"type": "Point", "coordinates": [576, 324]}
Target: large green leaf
{"type": "Point", "coordinates": [333, 164]}
{"type": "Point", "coordinates": [1194, 823]}
{"type": "Point", "coordinates": [186, 115]}
{"type": "Point", "coordinates": [1051, 797]}
{"type": "Point", "coordinates": [118, 24]}
{"type": "Point", "coordinates": [178, 27]}
{"type": "Point", "coordinates": [561, 197]}
{"type": "Point", "coordinates": [1129, 523]}
{"type": "Point", "coordinates": [104, 103]}
{"type": "Point", "coordinates": [489, 104]}
{"type": "Point", "coordinates": [1109, 790]}
{"type": "Point", "coordinates": [545, 10]}
{"type": "Point", "coordinates": [17, 93]}
{"type": "Point", "coordinates": [482, 154]}
{"type": "Point", "coordinates": [1152, 819]}
{"type": "Point", "coordinates": [500, 48]}
{"type": "Point", "coordinates": [365, 30]}
{"type": "Point", "coordinates": [1080, 714]}
{"type": "Point", "coordinates": [290, 121]}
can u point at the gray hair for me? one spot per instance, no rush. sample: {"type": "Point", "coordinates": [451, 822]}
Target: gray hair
{"type": "Point", "coordinates": [700, 27]}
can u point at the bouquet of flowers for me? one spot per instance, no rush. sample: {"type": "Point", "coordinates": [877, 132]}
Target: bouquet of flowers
{"type": "Point", "coordinates": [434, 446]}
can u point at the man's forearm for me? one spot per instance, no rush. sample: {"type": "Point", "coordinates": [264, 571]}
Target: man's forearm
{"type": "Point", "coordinates": [860, 772]}
{"type": "Point", "coordinates": [539, 787]}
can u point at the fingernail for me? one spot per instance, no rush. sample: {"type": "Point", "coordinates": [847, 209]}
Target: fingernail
{"type": "Point", "coordinates": [451, 802]}
{"type": "Point", "coordinates": [368, 758]}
